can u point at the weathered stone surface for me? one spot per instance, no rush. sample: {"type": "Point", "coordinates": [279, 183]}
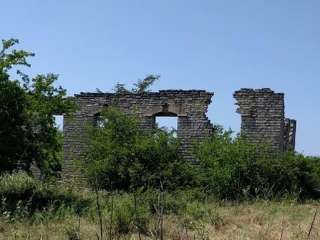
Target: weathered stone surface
{"type": "Point", "coordinates": [290, 126]}
{"type": "Point", "coordinates": [189, 107]}
{"type": "Point", "coordinates": [263, 118]}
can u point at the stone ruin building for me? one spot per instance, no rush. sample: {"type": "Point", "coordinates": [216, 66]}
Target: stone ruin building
{"type": "Point", "coordinates": [262, 118]}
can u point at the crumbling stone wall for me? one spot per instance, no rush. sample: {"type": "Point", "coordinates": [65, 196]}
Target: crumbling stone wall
{"type": "Point", "coordinates": [263, 118]}
{"type": "Point", "coordinates": [189, 107]}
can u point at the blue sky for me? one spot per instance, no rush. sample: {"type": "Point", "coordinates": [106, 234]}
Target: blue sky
{"type": "Point", "coordinates": [219, 46]}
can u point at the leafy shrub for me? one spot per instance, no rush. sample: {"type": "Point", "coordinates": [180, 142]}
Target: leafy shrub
{"type": "Point", "coordinates": [123, 157]}
{"type": "Point", "coordinates": [22, 195]}
{"type": "Point", "coordinates": [233, 169]}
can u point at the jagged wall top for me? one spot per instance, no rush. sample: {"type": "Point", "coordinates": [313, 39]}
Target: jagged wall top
{"type": "Point", "coordinates": [172, 93]}
{"type": "Point", "coordinates": [263, 118]}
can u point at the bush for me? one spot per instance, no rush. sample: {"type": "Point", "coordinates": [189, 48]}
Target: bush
{"type": "Point", "coordinates": [123, 157]}
{"type": "Point", "coordinates": [234, 169]}
{"type": "Point", "coordinates": [22, 195]}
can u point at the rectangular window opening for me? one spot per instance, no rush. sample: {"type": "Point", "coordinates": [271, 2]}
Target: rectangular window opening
{"type": "Point", "coordinates": [58, 122]}
{"type": "Point", "coordinates": [167, 123]}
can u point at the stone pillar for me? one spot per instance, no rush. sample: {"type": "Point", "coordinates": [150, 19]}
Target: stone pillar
{"type": "Point", "coordinates": [290, 126]}
{"type": "Point", "coordinates": [262, 116]}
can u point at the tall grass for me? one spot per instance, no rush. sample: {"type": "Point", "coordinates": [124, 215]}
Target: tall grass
{"type": "Point", "coordinates": [23, 196]}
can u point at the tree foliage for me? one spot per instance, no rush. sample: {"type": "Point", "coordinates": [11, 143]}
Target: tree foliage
{"type": "Point", "coordinates": [122, 157]}
{"type": "Point", "coordinates": [15, 134]}
{"type": "Point", "coordinates": [45, 101]}
{"type": "Point", "coordinates": [234, 169]}
{"type": "Point", "coordinates": [143, 85]}
{"type": "Point", "coordinates": [27, 132]}
{"type": "Point", "coordinates": [13, 58]}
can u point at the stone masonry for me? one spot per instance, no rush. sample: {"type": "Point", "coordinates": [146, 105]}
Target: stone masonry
{"type": "Point", "coordinates": [189, 107]}
{"type": "Point", "coordinates": [263, 118]}
{"type": "Point", "coordinates": [290, 126]}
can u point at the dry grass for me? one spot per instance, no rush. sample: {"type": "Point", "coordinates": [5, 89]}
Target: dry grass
{"type": "Point", "coordinates": [258, 220]}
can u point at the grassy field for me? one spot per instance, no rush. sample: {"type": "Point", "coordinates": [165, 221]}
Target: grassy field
{"type": "Point", "coordinates": [251, 220]}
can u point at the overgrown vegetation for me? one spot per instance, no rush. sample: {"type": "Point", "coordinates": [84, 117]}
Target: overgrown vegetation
{"type": "Point", "coordinates": [140, 186]}
{"type": "Point", "coordinates": [233, 169]}
{"type": "Point", "coordinates": [123, 157]}
{"type": "Point", "coordinates": [141, 86]}
{"type": "Point", "coordinates": [22, 196]}
{"type": "Point", "coordinates": [185, 215]}
{"type": "Point", "coordinates": [27, 107]}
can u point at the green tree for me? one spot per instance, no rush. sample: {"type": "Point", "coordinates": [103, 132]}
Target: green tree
{"type": "Point", "coordinates": [15, 134]}
{"type": "Point", "coordinates": [27, 129]}
{"type": "Point", "coordinates": [232, 168]}
{"type": "Point", "coordinates": [15, 147]}
{"type": "Point", "coordinates": [143, 85]}
{"type": "Point", "coordinates": [45, 100]}
{"type": "Point", "coordinates": [13, 58]}
{"type": "Point", "coordinates": [123, 157]}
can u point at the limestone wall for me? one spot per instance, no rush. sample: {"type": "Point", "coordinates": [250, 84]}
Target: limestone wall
{"type": "Point", "coordinates": [290, 126]}
{"type": "Point", "coordinates": [189, 107]}
{"type": "Point", "coordinates": [263, 118]}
